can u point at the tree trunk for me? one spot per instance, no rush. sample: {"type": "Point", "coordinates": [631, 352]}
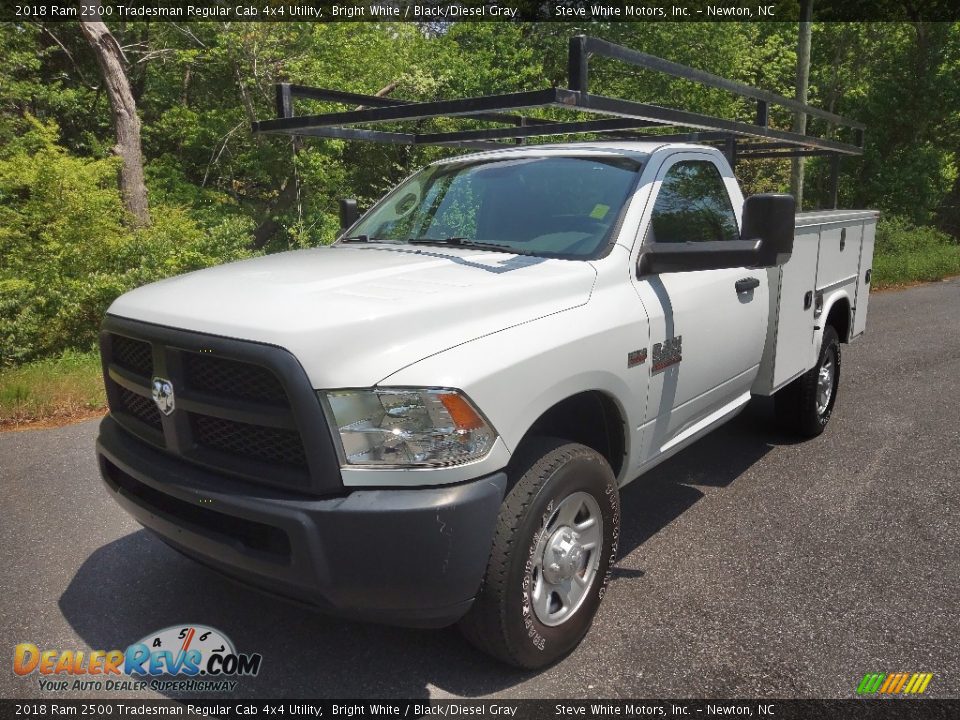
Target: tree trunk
{"type": "Point", "coordinates": [270, 225]}
{"type": "Point", "coordinates": [803, 81]}
{"type": "Point", "coordinates": [125, 121]}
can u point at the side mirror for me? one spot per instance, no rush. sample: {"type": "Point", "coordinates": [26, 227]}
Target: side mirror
{"type": "Point", "coordinates": [771, 218]}
{"type": "Point", "coordinates": [688, 256]}
{"type": "Point", "coordinates": [765, 241]}
{"type": "Point", "coordinates": [348, 212]}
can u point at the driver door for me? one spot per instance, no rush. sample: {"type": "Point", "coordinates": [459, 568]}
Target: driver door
{"type": "Point", "coordinates": [707, 327]}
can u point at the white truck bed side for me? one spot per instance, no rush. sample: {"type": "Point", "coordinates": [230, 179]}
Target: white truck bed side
{"type": "Point", "coordinates": [832, 254]}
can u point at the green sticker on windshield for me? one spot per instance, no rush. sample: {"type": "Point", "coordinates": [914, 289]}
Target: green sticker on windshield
{"type": "Point", "coordinates": [599, 211]}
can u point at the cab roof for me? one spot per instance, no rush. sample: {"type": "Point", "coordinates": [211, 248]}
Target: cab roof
{"type": "Point", "coordinates": [635, 149]}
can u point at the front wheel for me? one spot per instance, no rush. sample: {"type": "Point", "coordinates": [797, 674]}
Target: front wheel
{"type": "Point", "coordinates": [555, 542]}
{"type": "Point", "coordinates": [805, 405]}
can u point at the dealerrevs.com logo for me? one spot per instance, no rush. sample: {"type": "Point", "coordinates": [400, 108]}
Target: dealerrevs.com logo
{"type": "Point", "coordinates": [189, 658]}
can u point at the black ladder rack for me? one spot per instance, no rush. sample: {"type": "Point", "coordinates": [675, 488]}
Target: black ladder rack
{"type": "Point", "coordinates": [618, 117]}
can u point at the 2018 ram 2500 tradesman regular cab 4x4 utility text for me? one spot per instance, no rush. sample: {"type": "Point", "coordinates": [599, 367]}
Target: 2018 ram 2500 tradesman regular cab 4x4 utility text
{"type": "Point", "coordinates": [430, 421]}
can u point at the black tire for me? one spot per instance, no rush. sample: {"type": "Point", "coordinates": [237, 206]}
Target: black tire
{"type": "Point", "coordinates": [502, 621]}
{"type": "Point", "coordinates": [796, 405]}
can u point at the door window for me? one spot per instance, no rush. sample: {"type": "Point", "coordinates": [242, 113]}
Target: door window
{"type": "Point", "coordinates": [692, 206]}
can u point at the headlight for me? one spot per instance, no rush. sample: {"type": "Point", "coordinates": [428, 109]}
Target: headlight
{"type": "Point", "coordinates": [408, 427]}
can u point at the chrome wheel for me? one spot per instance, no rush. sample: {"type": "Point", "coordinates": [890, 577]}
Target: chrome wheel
{"type": "Point", "coordinates": [566, 558]}
{"type": "Point", "coordinates": [825, 383]}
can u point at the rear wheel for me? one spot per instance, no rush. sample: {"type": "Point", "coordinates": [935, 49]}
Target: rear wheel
{"type": "Point", "coordinates": [805, 405]}
{"type": "Point", "coordinates": [555, 541]}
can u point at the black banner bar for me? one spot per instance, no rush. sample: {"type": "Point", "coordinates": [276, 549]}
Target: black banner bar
{"type": "Point", "coordinates": [853, 709]}
{"type": "Point", "coordinates": [443, 11]}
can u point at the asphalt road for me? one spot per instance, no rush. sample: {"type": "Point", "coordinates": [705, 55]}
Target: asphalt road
{"type": "Point", "coordinates": [750, 566]}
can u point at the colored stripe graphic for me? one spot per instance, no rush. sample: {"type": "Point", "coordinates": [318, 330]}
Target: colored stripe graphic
{"type": "Point", "coordinates": [894, 683]}
{"type": "Point", "coordinates": [888, 682]}
{"type": "Point", "coordinates": [899, 683]}
{"type": "Point", "coordinates": [870, 683]}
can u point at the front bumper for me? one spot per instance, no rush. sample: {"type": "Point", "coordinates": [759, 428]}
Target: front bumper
{"type": "Point", "coordinates": [405, 556]}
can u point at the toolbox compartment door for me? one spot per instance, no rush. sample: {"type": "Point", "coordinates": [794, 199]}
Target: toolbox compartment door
{"type": "Point", "coordinates": [839, 255]}
{"type": "Point", "coordinates": [863, 282]}
{"type": "Point", "coordinates": [789, 349]}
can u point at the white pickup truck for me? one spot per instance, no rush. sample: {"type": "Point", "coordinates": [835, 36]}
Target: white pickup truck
{"type": "Point", "coordinates": [430, 421]}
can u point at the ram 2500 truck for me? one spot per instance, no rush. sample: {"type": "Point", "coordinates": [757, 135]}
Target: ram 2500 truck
{"type": "Point", "coordinates": [429, 422]}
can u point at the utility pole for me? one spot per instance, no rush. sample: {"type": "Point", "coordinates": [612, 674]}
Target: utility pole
{"type": "Point", "coordinates": [803, 82]}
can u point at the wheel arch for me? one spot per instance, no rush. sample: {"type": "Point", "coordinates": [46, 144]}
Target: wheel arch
{"type": "Point", "coordinates": [594, 418]}
{"type": "Point", "coordinates": [840, 316]}
{"type": "Point", "coordinates": [838, 313]}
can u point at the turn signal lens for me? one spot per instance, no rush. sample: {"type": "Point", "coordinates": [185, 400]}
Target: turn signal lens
{"type": "Point", "coordinates": [465, 417]}
{"type": "Point", "coordinates": [400, 427]}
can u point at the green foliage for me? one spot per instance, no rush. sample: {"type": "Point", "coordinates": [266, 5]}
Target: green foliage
{"type": "Point", "coordinates": [217, 191]}
{"type": "Point", "coordinates": [903, 81]}
{"type": "Point", "coordinates": [906, 253]}
{"type": "Point", "coordinates": [67, 252]}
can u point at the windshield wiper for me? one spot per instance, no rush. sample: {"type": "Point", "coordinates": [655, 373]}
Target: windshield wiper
{"type": "Point", "coordinates": [468, 243]}
{"type": "Point", "coordinates": [360, 238]}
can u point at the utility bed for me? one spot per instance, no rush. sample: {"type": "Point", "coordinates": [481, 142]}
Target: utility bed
{"type": "Point", "coordinates": [832, 255]}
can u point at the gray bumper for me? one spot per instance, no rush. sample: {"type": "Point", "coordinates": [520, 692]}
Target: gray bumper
{"type": "Point", "coordinates": [407, 557]}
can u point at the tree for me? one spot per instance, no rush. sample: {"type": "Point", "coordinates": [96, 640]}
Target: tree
{"type": "Point", "coordinates": [126, 124]}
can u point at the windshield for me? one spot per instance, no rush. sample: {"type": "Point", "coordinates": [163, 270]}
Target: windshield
{"type": "Point", "coordinates": [547, 206]}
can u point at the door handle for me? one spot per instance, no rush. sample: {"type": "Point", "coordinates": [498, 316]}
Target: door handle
{"type": "Point", "coordinates": [746, 285]}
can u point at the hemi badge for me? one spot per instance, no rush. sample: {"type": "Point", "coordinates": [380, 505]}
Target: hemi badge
{"type": "Point", "coordinates": [637, 357]}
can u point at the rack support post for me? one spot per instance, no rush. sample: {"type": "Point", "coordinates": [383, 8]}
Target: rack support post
{"type": "Point", "coordinates": [577, 69]}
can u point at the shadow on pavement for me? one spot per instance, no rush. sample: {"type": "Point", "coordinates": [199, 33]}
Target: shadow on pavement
{"type": "Point", "coordinates": [137, 585]}
{"type": "Point", "coordinates": [664, 493]}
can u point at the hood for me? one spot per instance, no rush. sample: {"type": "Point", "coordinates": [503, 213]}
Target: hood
{"type": "Point", "coordinates": [352, 315]}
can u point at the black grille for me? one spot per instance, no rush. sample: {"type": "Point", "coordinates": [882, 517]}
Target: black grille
{"type": "Point", "coordinates": [140, 407]}
{"type": "Point", "coordinates": [241, 408]}
{"type": "Point", "coordinates": [252, 441]}
{"type": "Point", "coordinates": [220, 376]}
{"type": "Point", "coordinates": [133, 355]}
